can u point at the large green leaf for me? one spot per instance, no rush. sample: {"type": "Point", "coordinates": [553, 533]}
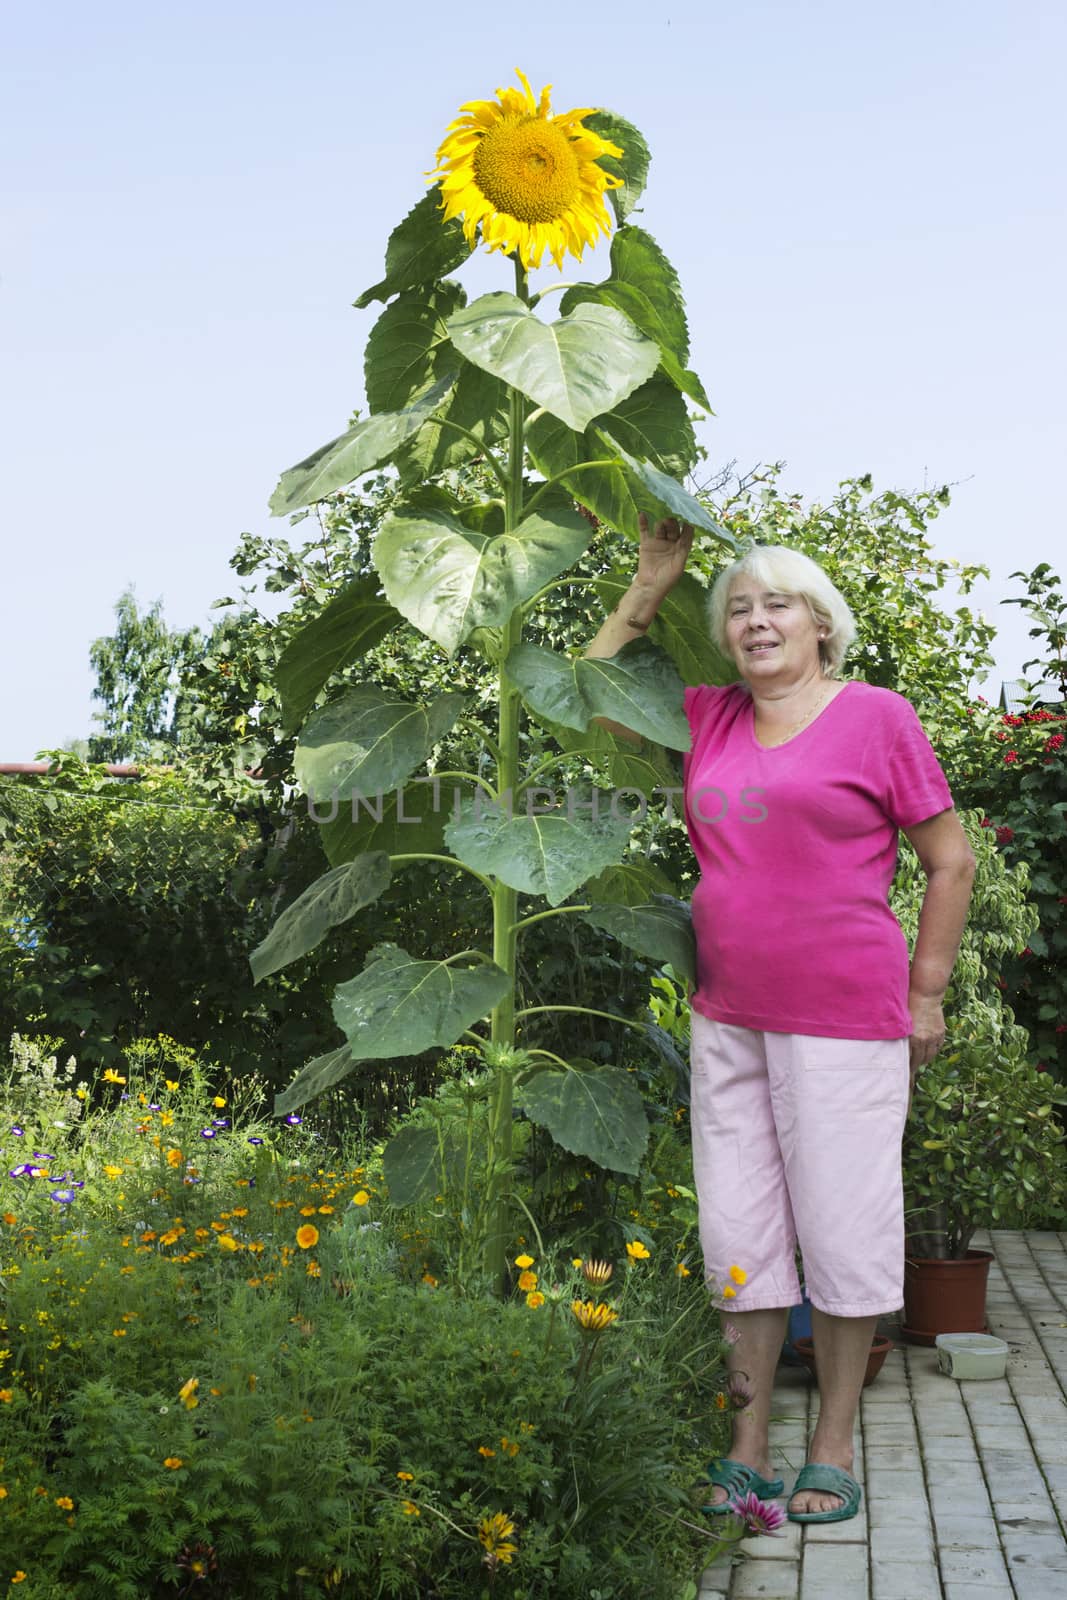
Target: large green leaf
{"type": "Point", "coordinates": [631, 883]}
{"type": "Point", "coordinates": [549, 853]}
{"type": "Point", "coordinates": [448, 579]}
{"type": "Point", "coordinates": [652, 424]}
{"type": "Point", "coordinates": [408, 349]}
{"type": "Point", "coordinates": [405, 821]}
{"type": "Point", "coordinates": [314, 1078]}
{"type": "Point", "coordinates": [631, 167]}
{"type": "Point", "coordinates": [479, 404]}
{"type": "Point", "coordinates": [638, 687]}
{"type": "Point", "coordinates": [591, 1111]}
{"type": "Point", "coordinates": [421, 249]}
{"type": "Point", "coordinates": [576, 367]}
{"type": "Point", "coordinates": [369, 444]}
{"type": "Point", "coordinates": [329, 901]}
{"type": "Point", "coordinates": [680, 626]}
{"type": "Point", "coordinates": [670, 499]}
{"type": "Point", "coordinates": [399, 1006]}
{"type": "Point", "coordinates": [354, 622]}
{"type": "Point", "coordinates": [661, 930]}
{"type": "Point", "coordinates": [411, 1162]}
{"type": "Point", "coordinates": [625, 766]}
{"type": "Point", "coordinates": [370, 740]}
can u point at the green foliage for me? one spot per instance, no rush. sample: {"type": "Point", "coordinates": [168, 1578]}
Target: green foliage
{"type": "Point", "coordinates": [239, 1358]}
{"type": "Point", "coordinates": [139, 672]}
{"type": "Point", "coordinates": [982, 1147]}
{"type": "Point", "coordinates": [1016, 770]}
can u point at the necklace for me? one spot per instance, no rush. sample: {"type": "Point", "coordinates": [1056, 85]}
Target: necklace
{"type": "Point", "coordinates": [811, 712]}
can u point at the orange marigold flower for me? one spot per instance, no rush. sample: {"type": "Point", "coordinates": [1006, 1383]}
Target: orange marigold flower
{"type": "Point", "coordinates": [527, 1280]}
{"type": "Point", "coordinates": [172, 1463]}
{"type": "Point", "coordinates": [307, 1237]}
{"type": "Point", "coordinates": [535, 1300]}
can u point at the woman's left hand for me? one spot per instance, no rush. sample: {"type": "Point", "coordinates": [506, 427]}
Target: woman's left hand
{"type": "Point", "coordinates": [928, 1031]}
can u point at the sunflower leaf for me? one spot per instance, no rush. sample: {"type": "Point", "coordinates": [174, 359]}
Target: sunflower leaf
{"type": "Point", "coordinates": [354, 621]}
{"type": "Point", "coordinates": [407, 820]}
{"type": "Point", "coordinates": [400, 1006]}
{"type": "Point", "coordinates": [631, 167]}
{"type": "Point", "coordinates": [629, 883]}
{"type": "Point", "coordinates": [670, 498]}
{"type": "Point", "coordinates": [368, 445]}
{"type": "Point", "coordinates": [594, 1112]}
{"type": "Point", "coordinates": [478, 403]}
{"type": "Point", "coordinates": [661, 930]}
{"type": "Point", "coordinates": [329, 901]}
{"type": "Point", "coordinates": [421, 249]}
{"type": "Point", "coordinates": [547, 853]}
{"type": "Point", "coordinates": [314, 1078]}
{"type": "Point", "coordinates": [645, 769]}
{"type": "Point", "coordinates": [576, 368]}
{"type": "Point", "coordinates": [368, 741]}
{"type": "Point", "coordinates": [448, 579]}
{"type": "Point", "coordinates": [638, 687]}
{"type": "Point", "coordinates": [408, 349]}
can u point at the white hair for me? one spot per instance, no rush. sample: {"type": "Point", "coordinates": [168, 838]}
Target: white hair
{"type": "Point", "coordinates": [786, 571]}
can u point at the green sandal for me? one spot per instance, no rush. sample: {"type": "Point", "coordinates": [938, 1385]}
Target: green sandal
{"type": "Point", "coordinates": [830, 1480]}
{"type": "Point", "coordinates": [739, 1480]}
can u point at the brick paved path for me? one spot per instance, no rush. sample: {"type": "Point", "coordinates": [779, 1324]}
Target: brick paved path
{"type": "Point", "coordinates": [965, 1484]}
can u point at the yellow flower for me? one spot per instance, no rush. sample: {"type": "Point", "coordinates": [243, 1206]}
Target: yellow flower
{"type": "Point", "coordinates": [682, 1270]}
{"type": "Point", "coordinates": [524, 1261]}
{"type": "Point", "coordinates": [187, 1393]}
{"type": "Point", "coordinates": [112, 1172]}
{"type": "Point", "coordinates": [361, 1198]}
{"type": "Point", "coordinates": [307, 1237]}
{"type": "Point", "coordinates": [218, 1102]}
{"type": "Point", "coordinates": [484, 1450]}
{"type": "Point", "coordinates": [20, 1576]}
{"type": "Point", "coordinates": [728, 1293]}
{"type": "Point", "coordinates": [577, 1263]}
{"type": "Point", "coordinates": [527, 1280]}
{"type": "Point", "coordinates": [738, 1275]}
{"type": "Point", "coordinates": [171, 1083]}
{"type": "Point", "coordinates": [497, 1536]}
{"type": "Point", "coordinates": [64, 1502]}
{"type": "Point", "coordinates": [172, 1463]}
{"type": "Point", "coordinates": [637, 1251]}
{"type": "Point", "coordinates": [720, 1401]}
{"type": "Point", "coordinates": [535, 1300]}
{"type": "Point", "coordinates": [6, 1396]}
{"type": "Point", "coordinates": [410, 1508]}
{"type": "Point", "coordinates": [174, 1158]}
{"type": "Point", "coordinates": [406, 1477]}
{"type": "Point", "coordinates": [111, 1076]}
{"type": "Point", "coordinates": [227, 1242]}
{"type": "Point", "coordinates": [314, 1270]}
{"type": "Point", "coordinates": [593, 1318]}
{"type": "Point", "coordinates": [429, 1279]}
{"type": "Point", "coordinates": [530, 180]}
{"type": "Point", "coordinates": [10, 1218]}
{"type": "Point", "coordinates": [597, 1273]}
{"type": "Point", "coordinates": [166, 1119]}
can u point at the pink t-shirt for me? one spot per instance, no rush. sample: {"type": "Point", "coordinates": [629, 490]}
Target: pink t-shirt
{"type": "Point", "coordinates": [797, 846]}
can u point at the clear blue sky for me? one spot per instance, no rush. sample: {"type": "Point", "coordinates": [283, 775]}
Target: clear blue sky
{"type": "Point", "coordinates": [864, 204]}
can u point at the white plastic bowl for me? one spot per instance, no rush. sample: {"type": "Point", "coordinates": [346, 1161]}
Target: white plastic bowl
{"type": "Point", "coordinates": [971, 1355]}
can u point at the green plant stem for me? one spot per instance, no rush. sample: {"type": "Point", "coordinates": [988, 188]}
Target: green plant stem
{"type": "Point", "coordinates": [480, 733]}
{"type": "Point", "coordinates": [628, 1022]}
{"type": "Point", "coordinates": [472, 777]}
{"type": "Point", "coordinates": [505, 899]}
{"type": "Point", "coordinates": [539, 916]}
{"type": "Point", "coordinates": [450, 861]}
{"type": "Point", "coordinates": [560, 477]}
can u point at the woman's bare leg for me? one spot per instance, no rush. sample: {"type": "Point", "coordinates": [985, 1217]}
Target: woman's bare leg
{"type": "Point", "coordinates": [842, 1345]}
{"type": "Point", "coordinates": [752, 1362]}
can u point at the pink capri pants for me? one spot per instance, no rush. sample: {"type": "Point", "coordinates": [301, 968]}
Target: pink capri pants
{"type": "Point", "coordinates": [797, 1138]}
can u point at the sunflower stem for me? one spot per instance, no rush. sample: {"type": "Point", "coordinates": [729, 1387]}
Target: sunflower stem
{"type": "Point", "coordinates": [505, 899]}
{"type": "Point", "coordinates": [560, 477]}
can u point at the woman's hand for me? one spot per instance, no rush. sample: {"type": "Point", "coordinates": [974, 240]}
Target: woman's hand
{"type": "Point", "coordinates": [663, 553]}
{"type": "Point", "coordinates": [928, 1024]}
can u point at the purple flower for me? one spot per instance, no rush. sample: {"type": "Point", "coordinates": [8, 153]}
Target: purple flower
{"type": "Point", "coordinates": [154, 1107]}
{"type": "Point", "coordinates": [253, 1140]}
{"type": "Point", "coordinates": [26, 1170]}
{"type": "Point", "coordinates": [221, 1122]}
{"type": "Point", "coordinates": [17, 1130]}
{"type": "Point", "coordinates": [293, 1120]}
{"type": "Point", "coordinates": [189, 1179]}
{"type": "Point", "coordinates": [208, 1133]}
{"type": "Point", "coordinates": [758, 1516]}
{"type": "Point", "coordinates": [63, 1197]}
{"type": "Point", "coordinates": [42, 1155]}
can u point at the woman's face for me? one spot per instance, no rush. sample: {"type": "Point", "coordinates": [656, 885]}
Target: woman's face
{"type": "Point", "coordinates": [773, 637]}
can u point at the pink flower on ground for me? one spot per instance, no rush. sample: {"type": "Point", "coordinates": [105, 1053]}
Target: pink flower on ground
{"type": "Point", "coordinates": [730, 1333]}
{"type": "Point", "coordinates": [758, 1516]}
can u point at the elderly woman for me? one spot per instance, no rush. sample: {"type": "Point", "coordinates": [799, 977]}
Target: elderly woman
{"type": "Point", "coordinates": [808, 1022]}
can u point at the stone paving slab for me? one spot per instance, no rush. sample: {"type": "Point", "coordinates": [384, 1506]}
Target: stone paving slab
{"type": "Point", "coordinates": [965, 1483]}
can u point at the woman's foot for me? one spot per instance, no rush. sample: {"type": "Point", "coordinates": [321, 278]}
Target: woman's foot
{"type": "Point", "coordinates": [718, 1496]}
{"type": "Point", "coordinates": [809, 1500]}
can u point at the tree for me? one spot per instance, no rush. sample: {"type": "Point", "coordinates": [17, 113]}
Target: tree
{"type": "Point", "coordinates": [139, 670]}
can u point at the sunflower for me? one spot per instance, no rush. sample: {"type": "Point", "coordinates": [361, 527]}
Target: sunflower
{"type": "Point", "coordinates": [530, 180]}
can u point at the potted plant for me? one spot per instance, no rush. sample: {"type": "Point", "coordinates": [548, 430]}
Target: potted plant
{"type": "Point", "coordinates": [983, 1146]}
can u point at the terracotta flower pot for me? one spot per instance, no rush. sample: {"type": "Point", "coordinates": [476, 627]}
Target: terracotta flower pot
{"type": "Point", "coordinates": [945, 1296]}
{"type": "Point", "coordinates": [880, 1348]}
